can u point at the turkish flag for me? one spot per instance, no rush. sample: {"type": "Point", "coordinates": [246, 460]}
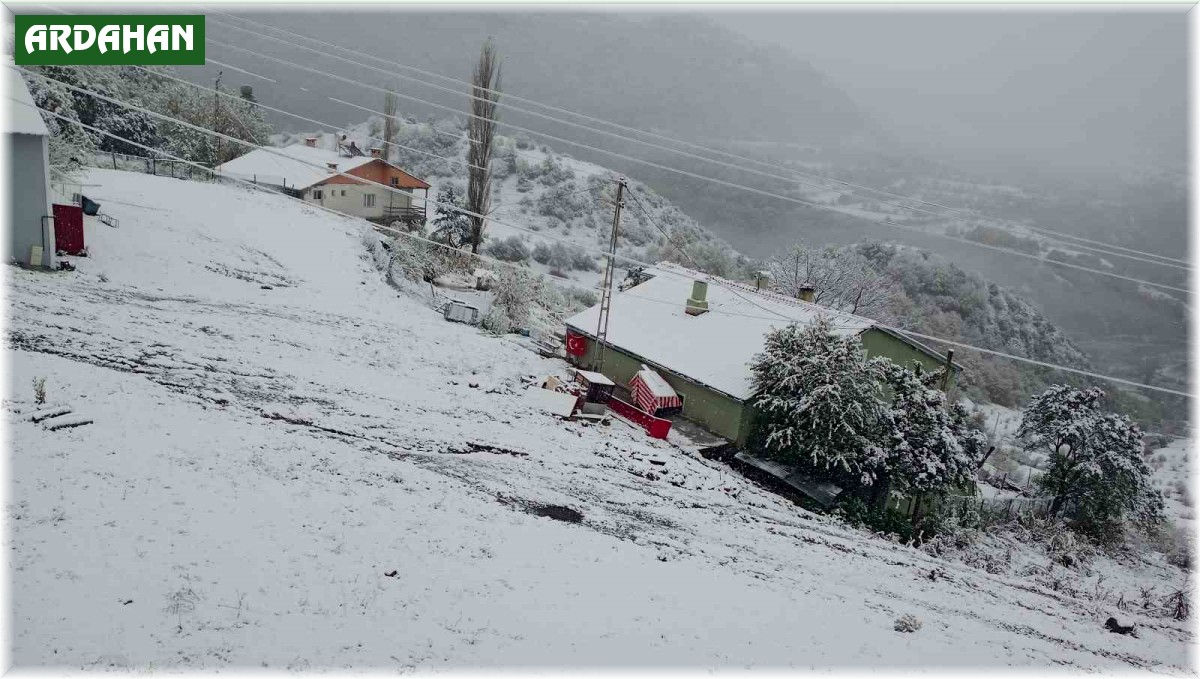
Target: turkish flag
{"type": "Point", "coordinates": [576, 344]}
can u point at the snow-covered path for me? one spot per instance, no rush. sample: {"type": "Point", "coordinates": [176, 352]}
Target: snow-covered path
{"type": "Point", "coordinates": [263, 458]}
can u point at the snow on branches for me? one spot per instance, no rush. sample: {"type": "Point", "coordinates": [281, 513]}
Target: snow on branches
{"type": "Point", "coordinates": [1095, 468]}
{"type": "Point", "coordinates": [818, 398]}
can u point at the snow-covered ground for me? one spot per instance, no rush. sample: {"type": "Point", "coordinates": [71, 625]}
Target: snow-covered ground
{"type": "Point", "coordinates": [323, 473]}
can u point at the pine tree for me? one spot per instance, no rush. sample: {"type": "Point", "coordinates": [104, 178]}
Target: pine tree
{"type": "Point", "coordinates": [450, 225]}
{"type": "Point", "coordinates": [818, 400]}
{"type": "Point", "coordinates": [1095, 469]}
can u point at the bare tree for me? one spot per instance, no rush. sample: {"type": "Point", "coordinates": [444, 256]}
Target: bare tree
{"type": "Point", "coordinates": [389, 123]}
{"type": "Point", "coordinates": [481, 128]}
{"type": "Point", "coordinates": [840, 278]}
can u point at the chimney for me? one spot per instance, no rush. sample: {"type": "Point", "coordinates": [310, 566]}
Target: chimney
{"type": "Point", "coordinates": [807, 292]}
{"type": "Point", "coordinates": [310, 142]}
{"type": "Point", "coordinates": [698, 303]}
{"type": "Point", "coordinates": [332, 167]}
{"type": "Point", "coordinates": [376, 152]}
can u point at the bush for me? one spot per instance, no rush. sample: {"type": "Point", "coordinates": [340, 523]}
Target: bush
{"type": "Point", "coordinates": [562, 256]}
{"type": "Point", "coordinates": [890, 522]}
{"type": "Point", "coordinates": [907, 623]}
{"type": "Point", "coordinates": [510, 249]}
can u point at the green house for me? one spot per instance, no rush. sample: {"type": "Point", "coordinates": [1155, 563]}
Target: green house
{"type": "Point", "coordinates": [701, 332]}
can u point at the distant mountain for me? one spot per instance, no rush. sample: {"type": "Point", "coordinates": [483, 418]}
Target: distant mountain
{"type": "Point", "coordinates": [682, 75]}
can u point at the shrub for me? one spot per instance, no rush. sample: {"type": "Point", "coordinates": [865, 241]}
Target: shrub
{"type": "Point", "coordinates": [510, 249]}
{"type": "Point", "coordinates": [562, 256]}
{"type": "Point", "coordinates": [907, 623]}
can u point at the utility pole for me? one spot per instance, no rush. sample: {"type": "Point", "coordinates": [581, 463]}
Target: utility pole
{"type": "Point", "coordinates": [216, 114]}
{"type": "Point", "coordinates": [607, 281]}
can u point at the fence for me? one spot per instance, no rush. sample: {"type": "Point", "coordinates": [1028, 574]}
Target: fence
{"type": "Point", "coordinates": [162, 167]}
{"type": "Point", "coordinates": [1008, 507]}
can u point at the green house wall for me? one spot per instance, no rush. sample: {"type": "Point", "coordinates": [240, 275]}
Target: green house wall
{"type": "Point", "coordinates": [719, 413]}
{"type": "Point", "coordinates": [880, 343]}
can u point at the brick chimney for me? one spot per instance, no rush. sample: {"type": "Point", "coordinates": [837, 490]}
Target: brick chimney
{"type": "Point", "coordinates": [376, 152]}
{"type": "Point", "coordinates": [698, 303]}
{"type": "Point", "coordinates": [807, 292]}
{"type": "Point", "coordinates": [310, 142]}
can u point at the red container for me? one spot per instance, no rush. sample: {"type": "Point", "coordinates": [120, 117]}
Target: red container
{"type": "Point", "coordinates": [68, 229]}
{"type": "Point", "coordinates": [656, 427]}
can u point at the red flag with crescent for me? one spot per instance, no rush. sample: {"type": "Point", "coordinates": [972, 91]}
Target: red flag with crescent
{"type": "Point", "coordinates": [576, 344]}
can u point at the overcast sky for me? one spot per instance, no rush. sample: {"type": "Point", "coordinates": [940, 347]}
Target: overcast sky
{"type": "Point", "coordinates": [1072, 88]}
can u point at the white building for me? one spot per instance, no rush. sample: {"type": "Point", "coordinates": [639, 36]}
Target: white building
{"type": "Point", "coordinates": [312, 173]}
{"type": "Point", "coordinates": [30, 221]}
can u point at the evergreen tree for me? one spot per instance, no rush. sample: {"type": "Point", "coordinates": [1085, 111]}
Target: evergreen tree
{"type": "Point", "coordinates": [1095, 469]}
{"type": "Point", "coordinates": [450, 226]}
{"type": "Point", "coordinates": [931, 447]}
{"type": "Point", "coordinates": [71, 146]}
{"type": "Point", "coordinates": [818, 399]}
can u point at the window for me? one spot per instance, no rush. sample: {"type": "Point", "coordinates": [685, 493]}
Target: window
{"type": "Point", "coordinates": [368, 200]}
{"type": "Point", "coordinates": [396, 182]}
{"type": "Point", "coordinates": [318, 195]}
{"type": "Point", "coordinates": [343, 193]}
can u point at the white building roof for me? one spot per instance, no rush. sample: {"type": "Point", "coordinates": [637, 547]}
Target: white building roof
{"type": "Point", "coordinates": [22, 118]}
{"type": "Point", "coordinates": [714, 348]}
{"type": "Point", "coordinates": [594, 377]}
{"type": "Point", "coordinates": [302, 167]}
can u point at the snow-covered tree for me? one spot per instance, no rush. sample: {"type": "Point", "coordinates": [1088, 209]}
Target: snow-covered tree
{"type": "Point", "coordinates": [818, 399]}
{"type": "Point", "coordinates": [450, 225]}
{"type": "Point", "coordinates": [71, 146]}
{"type": "Point", "coordinates": [1095, 468]}
{"type": "Point", "coordinates": [513, 296]}
{"type": "Point", "coordinates": [930, 447]}
{"type": "Point", "coordinates": [840, 278]}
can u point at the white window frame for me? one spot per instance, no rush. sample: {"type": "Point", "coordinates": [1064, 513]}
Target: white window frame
{"type": "Point", "coordinates": [368, 200]}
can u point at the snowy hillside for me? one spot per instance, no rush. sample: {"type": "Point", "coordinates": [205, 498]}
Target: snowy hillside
{"type": "Point", "coordinates": [567, 203]}
{"type": "Point", "coordinates": [293, 465]}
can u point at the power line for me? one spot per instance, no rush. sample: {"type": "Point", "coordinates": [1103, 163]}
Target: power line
{"type": "Point", "coordinates": [903, 331]}
{"type": "Point", "coordinates": [693, 175]}
{"type": "Point", "coordinates": [467, 212]}
{"type": "Point", "coordinates": [796, 174]}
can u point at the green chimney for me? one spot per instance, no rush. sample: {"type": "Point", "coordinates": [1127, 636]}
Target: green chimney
{"type": "Point", "coordinates": [698, 303]}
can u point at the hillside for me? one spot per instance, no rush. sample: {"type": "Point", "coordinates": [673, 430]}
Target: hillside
{"type": "Point", "coordinates": [294, 465]}
{"type": "Point", "coordinates": [660, 63]}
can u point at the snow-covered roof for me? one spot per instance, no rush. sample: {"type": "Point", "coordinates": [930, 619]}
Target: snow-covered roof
{"type": "Point", "coordinates": [594, 377]}
{"type": "Point", "coordinates": [22, 118]}
{"type": "Point", "coordinates": [655, 383]}
{"type": "Point", "coordinates": [303, 167]}
{"type": "Point", "coordinates": [714, 348]}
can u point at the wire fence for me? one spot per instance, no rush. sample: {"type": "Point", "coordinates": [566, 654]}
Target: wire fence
{"type": "Point", "coordinates": [162, 167]}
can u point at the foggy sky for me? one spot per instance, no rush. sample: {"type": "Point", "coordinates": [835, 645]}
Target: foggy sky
{"type": "Point", "coordinates": [1067, 90]}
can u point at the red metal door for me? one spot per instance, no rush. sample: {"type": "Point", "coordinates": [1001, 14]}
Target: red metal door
{"type": "Point", "coordinates": [68, 229]}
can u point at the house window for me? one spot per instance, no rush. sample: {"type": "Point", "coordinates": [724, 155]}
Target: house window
{"type": "Point", "coordinates": [343, 193]}
{"type": "Point", "coordinates": [368, 200]}
{"type": "Point", "coordinates": [396, 182]}
{"type": "Point", "coordinates": [318, 195]}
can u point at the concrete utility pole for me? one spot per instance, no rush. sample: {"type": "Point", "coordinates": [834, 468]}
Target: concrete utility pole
{"type": "Point", "coordinates": [216, 114]}
{"type": "Point", "coordinates": [607, 281]}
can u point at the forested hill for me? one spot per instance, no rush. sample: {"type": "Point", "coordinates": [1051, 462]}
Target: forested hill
{"type": "Point", "coordinates": [683, 75]}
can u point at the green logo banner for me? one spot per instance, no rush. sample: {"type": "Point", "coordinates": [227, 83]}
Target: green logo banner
{"type": "Point", "coordinates": [109, 39]}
